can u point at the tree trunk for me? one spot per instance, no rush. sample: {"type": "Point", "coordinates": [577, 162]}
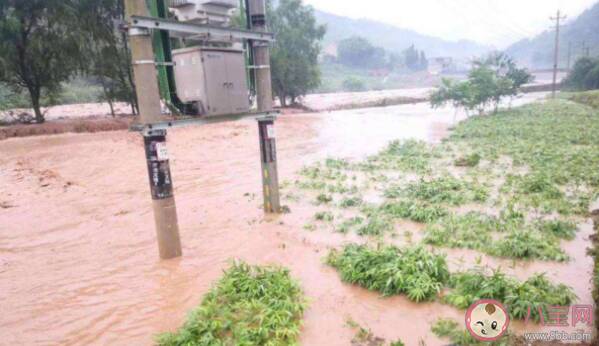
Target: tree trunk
{"type": "Point", "coordinates": [283, 99]}
{"type": "Point", "coordinates": [34, 94]}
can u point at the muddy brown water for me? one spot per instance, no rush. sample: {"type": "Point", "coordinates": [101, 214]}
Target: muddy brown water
{"type": "Point", "coordinates": [78, 257]}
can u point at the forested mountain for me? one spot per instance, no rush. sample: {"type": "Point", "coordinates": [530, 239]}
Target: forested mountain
{"type": "Point", "coordinates": [393, 38]}
{"type": "Point", "coordinates": [538, 51]}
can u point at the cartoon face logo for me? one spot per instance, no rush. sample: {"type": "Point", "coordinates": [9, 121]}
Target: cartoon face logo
{"type": "Point", "coordinates": [487, 320]}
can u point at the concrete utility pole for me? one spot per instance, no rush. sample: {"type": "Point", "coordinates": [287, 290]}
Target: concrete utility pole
{"type": "Point", "coordinates": [270, 179]}
{"type": "Point", "coordinates": [557, 19]}
{"type": "Point", "coordinates": [161, 185]}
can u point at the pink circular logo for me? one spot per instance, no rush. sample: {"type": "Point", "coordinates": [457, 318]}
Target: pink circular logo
{"type": "Point", "coordinates": [487, 320]}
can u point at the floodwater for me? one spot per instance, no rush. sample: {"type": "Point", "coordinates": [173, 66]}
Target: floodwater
{"type": "Point", "coordinates": [78, 257]}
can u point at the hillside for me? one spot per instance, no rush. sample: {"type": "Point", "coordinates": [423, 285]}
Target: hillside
{"type": "Point", "coordinates": [538, 51]}
{"type": "Point", "coordinates": [393, 38]}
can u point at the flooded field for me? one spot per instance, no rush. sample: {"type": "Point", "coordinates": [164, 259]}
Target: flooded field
{"type": "Point", "coordinates": [78, 257]}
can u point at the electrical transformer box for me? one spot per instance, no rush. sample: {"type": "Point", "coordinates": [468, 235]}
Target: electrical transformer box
{"type": "Point", "coordinates": [212, 80]}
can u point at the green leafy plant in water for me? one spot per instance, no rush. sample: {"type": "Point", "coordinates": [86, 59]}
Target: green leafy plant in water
{"type": "Point", "coordinates": [410, 155]}
{"type": "Point", "coordinates": [323, 198]}
{"type": "Point", "coordinates": [473, 285]}
{"type": "Point", "coordinates": [459, 336]}
{"type": "Point", "coordinates": [250, 305]}
{"type": "Point", "coordinates": [349, 224]}
{"type": "Point", "coordinates": [325, 216]}
{"type": "Point", "coordinates": [526, 243]}
{"type": "Point", "coordinates": [350, 202]}
{"type": "Point", "coordinates": [472, 230]}
{"type": "Point", "coordinates": [376, 225]}
{"type": "Point", "coordinates": [446, 189]}
{"type": "Point", "coordinates": [415, 271]}
{"type": "Point", "coordinates": [417, 211]}
{"type": "Point", "coordinates": [471, 160]}
{"type": "Point", "coordinates": [558, 228]}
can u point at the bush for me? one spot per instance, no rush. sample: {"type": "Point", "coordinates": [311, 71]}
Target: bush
{"type": "Point", "coordinates": [416, 272]}
{"type": "Point", "coordinates": [354, 84]}
{"type": "Point", "coordinates": [250, 305]}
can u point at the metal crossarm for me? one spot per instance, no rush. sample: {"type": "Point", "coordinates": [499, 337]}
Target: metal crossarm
{"type": "Point", "coordinates": [186, 30]}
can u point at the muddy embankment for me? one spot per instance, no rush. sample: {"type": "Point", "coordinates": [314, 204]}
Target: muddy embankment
{"type": "Point", "coordinates": [90, 118]}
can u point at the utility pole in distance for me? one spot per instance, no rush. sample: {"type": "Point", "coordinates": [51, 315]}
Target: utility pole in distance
{"type": "Point", "coordinates": [268, 151]}
{"type": "Point", "coordinates": [557, 19]}
{"type": "Point", "coordinates": [161, 185]}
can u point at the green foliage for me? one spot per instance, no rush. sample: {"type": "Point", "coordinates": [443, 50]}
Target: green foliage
{"type": "Point", "coordinates": [471, 231]}
{"type": "Point", "coordinates": [556, 141]}
{"type": "Point", "coordinates": [528, 244]}
{"type": "Point", "coordinates": [349, 224]}
{"type": "Point", "coordinates": [410, 155]}
{"type": "Point", "coordinates": [294, 56]}
{"type": "Point", "coordinates": [444, 190]}
{"type": "Point", "coordinates": [353, 84]}
{"type": "Point", "coordinates": [325, 216]}
{"type": "Point", "coordinates": [323, 199]}
{"type": "Point", "coordinates": [250, 305]}
{"type": "Point", "coordinates": [350, 202]}
{"type": "Point", "coordinates": [417, 211]}
{"type": "Point", "coordinates": [584, 75]}
{"type": "Point", "coordinates": [490, 80]}
{"type": "Point", "coordinates": [376, 225]}
{"type": "Point", "coordinates": [589, 98]}
{"type": "Point", "coordinates": [459, 336]}
{"type": "Point", "coordinates": [359, 52]}
{"type": "Point", "coordinates": [518, 240]}
{"type": "Point", "coordinates": [471, 160]}
{"type": "Point", "coordinates": [415, 272]}
{"type": "Point", "coordinates": [39, 48]}
{"type": "Point", "coordinates": [558, 228]}
{"type": "Point", "coordinates": [537, 291]}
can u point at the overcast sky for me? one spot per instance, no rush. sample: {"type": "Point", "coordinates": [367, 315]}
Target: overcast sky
{"type": "Point", "coordinates": [493, 22]}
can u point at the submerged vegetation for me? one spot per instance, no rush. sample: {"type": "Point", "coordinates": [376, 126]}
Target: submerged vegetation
{"type": "Point", "coordinates": [510, 185]}
{"type": "Point", "coordinates": [536, 293]}
{"type": "Point", "coordinates": [250, 305]}
{"type": "Point", "coordinates": [416, 272]}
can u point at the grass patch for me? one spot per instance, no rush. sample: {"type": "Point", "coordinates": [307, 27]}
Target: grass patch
{"type": "Point", "coordinates": [349, 224]}
{"type": "Point", "coordinates": [558, 228]}
{"type": "Point", "coordinates": [416, 272]}
{"type": "Point", "coordinates": [250, 305]}
{"type": "Point", "coordinates": [536, 292]}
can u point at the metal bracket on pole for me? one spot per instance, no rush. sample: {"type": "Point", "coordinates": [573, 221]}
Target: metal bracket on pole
{"type": "Point", "coordinates": [187, 30]}
{"type": "Point", "coordinates": [255, 67]}
{"type": "Point", "coordinates": [136, 31]}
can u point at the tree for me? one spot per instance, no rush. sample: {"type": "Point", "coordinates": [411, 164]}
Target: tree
{"type": "Point", "coordinates": [423, 61]}
{"type": "Point", "coordinates": [490, 80]}
{"type": "Point", "coordinates": [355, 51]}
{"type": "Point", "coordinates": [294, 56]}
{"type": "Point", "coordinates": [38, 49]}
{"type": "Point", "coordinates": [106, 51]}
{"type": "Point", "coordinates": [412, 58]}
{"type": "Point", "coordinates": [584, 75]}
